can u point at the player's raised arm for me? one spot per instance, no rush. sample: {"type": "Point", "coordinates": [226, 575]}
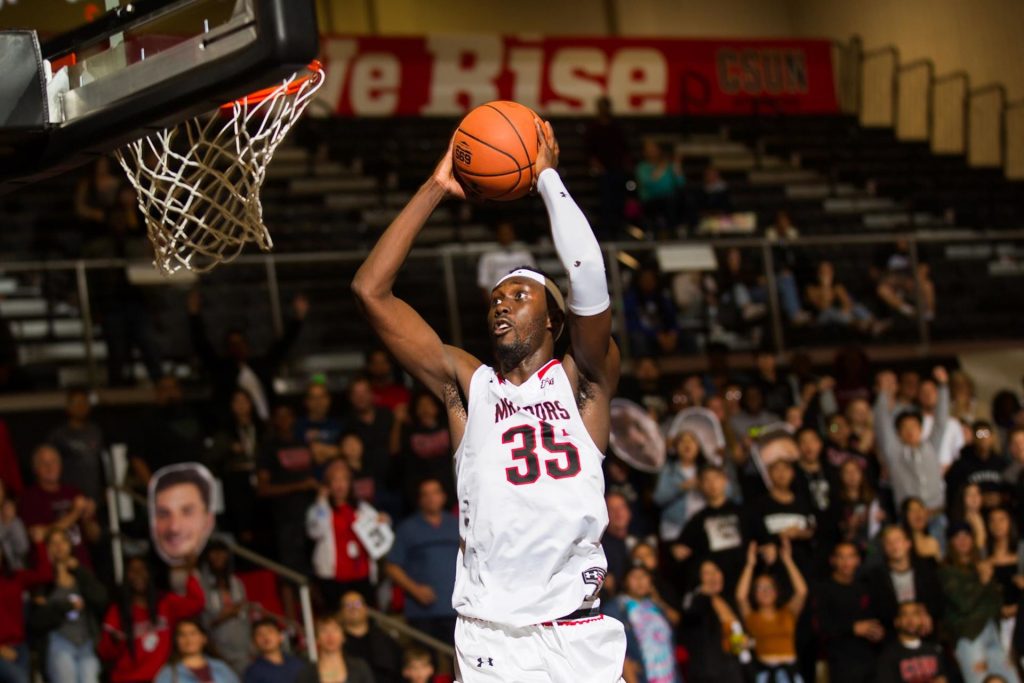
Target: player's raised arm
{"type": "Point", "coordinates": [406, 334]}
{"type": "Point", "coordinates": [590, 319]}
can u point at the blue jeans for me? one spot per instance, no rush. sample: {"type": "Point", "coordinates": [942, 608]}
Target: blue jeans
{"type": "Point", "coordinates": [66, 661]}
{"type": "Point", "coordinates": [16, 671]}
{"type": "Point", "coordinates": [937, 530]}
{"type": "Point", "coordinates": [984, 656]}
{"type": "Point", "coordinates": [789, 295]}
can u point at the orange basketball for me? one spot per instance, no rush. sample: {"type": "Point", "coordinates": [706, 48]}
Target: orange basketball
{"type": "Point", "coordinates": [494, 150]}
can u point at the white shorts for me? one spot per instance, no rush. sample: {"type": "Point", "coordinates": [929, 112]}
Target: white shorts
{"type": "Point", "coordinates": [590, 650]}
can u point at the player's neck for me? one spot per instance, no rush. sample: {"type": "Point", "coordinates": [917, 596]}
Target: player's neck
{"type": "Point", "coordinates": [526, 368]}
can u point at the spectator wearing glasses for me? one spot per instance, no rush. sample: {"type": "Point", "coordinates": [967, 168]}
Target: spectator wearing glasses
{"type": "Point", "coordinates": [368, 642]}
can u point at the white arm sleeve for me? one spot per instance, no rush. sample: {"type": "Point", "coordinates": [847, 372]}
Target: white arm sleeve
{"type": "Point", "coordinates": [576, 246]}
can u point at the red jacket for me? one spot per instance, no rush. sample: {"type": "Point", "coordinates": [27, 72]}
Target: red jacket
{"type": "Point", "coordinates": [12, 606]}
{"type": "Point", "coordinates": [152, 641]}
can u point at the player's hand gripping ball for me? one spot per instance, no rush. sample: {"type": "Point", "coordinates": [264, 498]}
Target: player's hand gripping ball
{"type": "Point", "coordinates": [494, 151]}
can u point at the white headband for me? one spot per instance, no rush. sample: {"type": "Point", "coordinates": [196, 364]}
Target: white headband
{"type": "Point", "coordinates": [523, 272]}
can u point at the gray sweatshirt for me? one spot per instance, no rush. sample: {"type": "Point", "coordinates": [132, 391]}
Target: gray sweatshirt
{"type": "Point", "coordinates": [913, 471]}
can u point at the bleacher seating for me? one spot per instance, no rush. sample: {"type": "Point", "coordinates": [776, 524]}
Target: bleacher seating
{"type": "Point", "coordinates": [337, 193]}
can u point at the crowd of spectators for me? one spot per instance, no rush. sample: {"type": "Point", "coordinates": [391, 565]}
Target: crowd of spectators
{"type": "Point", "coordinates": [855, 521]}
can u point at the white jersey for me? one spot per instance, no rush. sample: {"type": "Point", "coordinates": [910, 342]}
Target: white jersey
{"type": "Point", "coordinates": [531, 502]}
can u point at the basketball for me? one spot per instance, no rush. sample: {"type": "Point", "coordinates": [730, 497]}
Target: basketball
{"type": "Point", "coordinates": [494, 150]}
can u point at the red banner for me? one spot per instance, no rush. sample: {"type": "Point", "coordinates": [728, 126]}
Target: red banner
{"type": "Point", "coordinates": [446, 75]}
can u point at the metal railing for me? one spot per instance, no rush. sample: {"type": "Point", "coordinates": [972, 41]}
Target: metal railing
{"type": "Point", "coordinates": [948, 112]}
{"type": "Point", "coordinates": [387, 622]}
{"type": "Point", "coordinates": [456, 298]}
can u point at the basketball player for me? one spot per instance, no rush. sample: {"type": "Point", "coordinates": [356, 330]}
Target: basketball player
{"type": "Point", "coordinates": [529, 433]}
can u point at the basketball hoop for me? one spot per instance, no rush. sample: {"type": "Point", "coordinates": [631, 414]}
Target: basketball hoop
{"type": "Point", "coordinates": [199, 182]}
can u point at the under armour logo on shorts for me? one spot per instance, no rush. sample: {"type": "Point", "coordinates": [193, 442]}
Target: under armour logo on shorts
{"type": "Point", "coordinates": [480, 662]}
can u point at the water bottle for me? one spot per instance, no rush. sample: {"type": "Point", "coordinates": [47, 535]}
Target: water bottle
{"type": "Point", "coordinates": [739, 643]}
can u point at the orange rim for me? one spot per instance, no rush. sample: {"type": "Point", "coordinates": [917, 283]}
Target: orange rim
{"type": "Point", "coordinates": [314, 68]}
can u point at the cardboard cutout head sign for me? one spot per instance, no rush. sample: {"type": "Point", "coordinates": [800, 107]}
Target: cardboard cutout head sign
{"type": "Point", "coordinates": [635, 437]}
{"type": "Point", "coordinates": [181, 513]}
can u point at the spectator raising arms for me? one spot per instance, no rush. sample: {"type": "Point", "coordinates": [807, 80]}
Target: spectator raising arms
{"type": "Point", "coordinates": [772, 627]}
{"type": "Point", "coordinates": [913, 462]}
{"type": "Point", "coordinates": [68, 611]}
{"type": "Point", "coordinates": [189, 662]}
{"type": "Point", "coordinates": [136, 638]}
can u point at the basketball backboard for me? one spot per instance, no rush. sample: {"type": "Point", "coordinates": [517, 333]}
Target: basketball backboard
{"type": "Point", "coordinates": [88, 77]}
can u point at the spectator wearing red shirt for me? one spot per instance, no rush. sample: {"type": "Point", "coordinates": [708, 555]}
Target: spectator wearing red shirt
{"type": "Point", "coordinates": [152, 618]}
{"type": "Point", "coordinates": [386, 392]}
{"type": "Point", "coordinates": [50, 504]}
{"type": "Point", "coordinates": [14, 664]}
{"type": "Point", "coordinates": [339, 560]}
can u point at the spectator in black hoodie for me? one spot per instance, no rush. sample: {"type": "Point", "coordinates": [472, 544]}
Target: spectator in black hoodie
{"type": "Point", "coordinates": [980, 464]}
{"type": "Point", "coordinates": [846, 626]}
{"type": "Point", "coordinates": [903, 578]}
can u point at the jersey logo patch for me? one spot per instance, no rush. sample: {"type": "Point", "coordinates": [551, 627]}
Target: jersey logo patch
{"type": "Point", "coordinates": [480, 661]}
{"type": "Point", "coordinates": [547, 381]}
{"type": "Point", "coordinates": [595, 577]}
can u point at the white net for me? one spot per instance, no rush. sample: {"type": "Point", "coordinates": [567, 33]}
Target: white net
{"type": "Point", "coordinates": [199, 182]}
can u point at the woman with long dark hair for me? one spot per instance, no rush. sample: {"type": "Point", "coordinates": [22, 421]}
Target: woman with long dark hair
{"type": "Point", "coordinates": [14, 657]}
{"type": "Point", "coordinates": [226, 615]}
{"type": "Point", "coordinates": [1004, 552]}
{"type": "Point", "coordinates": [915, 522]}
{"type": "Point", "coordinates": [333, 665]}
{"type": "Point", "coordinates": [190, 661]}
{"type": "Point", "coordinates": [136, 637]}
{"type": "Point", "coordinates": [68, 612]}
{"type": "Point", "coordinates": [855, 513]}
{"type": "Point", "coordinates": [973, 603]}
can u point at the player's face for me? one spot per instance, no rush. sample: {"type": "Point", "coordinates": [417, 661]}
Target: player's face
{"type": "Point", "coordinates": [517, 319]}
{"type": "Point", "coordinates": [329, 636]}
{"type": "Point", "coordinates": [183, 522]}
